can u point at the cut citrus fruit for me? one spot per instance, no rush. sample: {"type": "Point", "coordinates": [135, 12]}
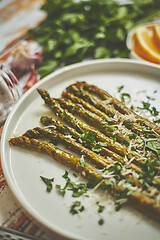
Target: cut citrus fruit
{"type": "Point", "coordinates": [144, 43]}
{"type": "Point", "coordinates": [156, 29]}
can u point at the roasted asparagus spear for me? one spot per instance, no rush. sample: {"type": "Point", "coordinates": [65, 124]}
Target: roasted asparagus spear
{"type": "Point", "coordinates": [119, 106]}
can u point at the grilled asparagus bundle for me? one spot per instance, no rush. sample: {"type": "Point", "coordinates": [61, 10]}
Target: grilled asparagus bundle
{"type": "Point", "coordinates": [118, 149]}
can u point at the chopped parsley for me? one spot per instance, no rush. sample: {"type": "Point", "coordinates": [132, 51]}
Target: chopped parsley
{"type": "Point", "coordinates": [108, 184]}
{"type": "Point", "coordinates": [142, 123]}
{"type": "Point", "coordinates": [149, 133]}
{"type": "Point", "coordinates": [121, 199]}
{"type": "Point", "coordinates": [128, 124]}
{"type": "Point", "coordinates": [114, 139]}
{"type": "Point", "coordinates": [100, 207]}
{"type": "Point", "coordinates": [148, 172]}
{"type": "Point", "coordinates": [116, 173]}
{"type": "Point", "coordinates": [88, 136]}
{"type": "Point", "coordinates": [82, 162]}
{"type": "Point", "coordinates": [98, 146]}
{"type": "Point", "coordinates": [124, 97]}
{"type": "Point", "coordinates": [101, 221]}
{"type": "Point", "coordinates": [154, 112]}
{"type": "Point", "coordinates": [147, 106]}
{"type": "Point", "coordinates": [77, 189]}
{"type": "Point", "coordinates": [48, 182]}
{"type": "Point", "coordinates": [129, 180]}
{"type": "Point", "coordinates": [157, 120]}
{"type": "Point", "coordinates": [126, 143]}
{"type": "Point", "coordinates": [154, 146]}
{"type": "Point", "coordinates": [110, 120]}
{"type": "Point", "coordinates": [120, 88]}
{"type": "Point", "coordinates": [132, 136]}
{"type": "Point", "coordinates": [76, 207]}
{"type": "Point", "coordinates": [150, 98]}
{"type": "Point", "coordinates": [110, 129]}
{"type": "Point", "coordinates": [100, 210]}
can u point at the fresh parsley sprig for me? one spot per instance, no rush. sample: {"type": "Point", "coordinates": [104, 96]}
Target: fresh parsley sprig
{"type": "Point", "coordinates": [89, 137]}
{"type": "Point", "coordinates": [78, 30]}
{"type": "Point", "coordinates": [147, 106]}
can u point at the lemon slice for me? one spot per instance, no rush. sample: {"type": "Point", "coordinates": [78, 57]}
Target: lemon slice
{"type": "Point", "coordinates": [144, 45]}
{"type": "Point", "coordinates": [156, 30]}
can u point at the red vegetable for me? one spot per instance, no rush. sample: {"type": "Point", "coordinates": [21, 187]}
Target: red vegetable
{"type": "Point", "coordinates": [32, 79]}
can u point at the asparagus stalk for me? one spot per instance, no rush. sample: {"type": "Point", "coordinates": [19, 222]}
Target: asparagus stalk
{"type": "Point", "coordinates": [58, 154]}
{"type": "Point", "coordinates": [69, 143]}
{"type": "Point", "coordinates": [139, 199]}
{"type": "Point", "coordinates": [121, 107]}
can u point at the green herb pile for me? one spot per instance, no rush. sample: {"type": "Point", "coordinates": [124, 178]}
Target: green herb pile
{"type": "Point", "coordinates": [75, 30]}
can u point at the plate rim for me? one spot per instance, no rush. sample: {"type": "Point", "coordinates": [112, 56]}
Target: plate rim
{"type": "Point", "coordinates": [31, 212]}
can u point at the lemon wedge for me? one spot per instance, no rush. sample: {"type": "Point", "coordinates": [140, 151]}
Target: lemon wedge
{"type": "Point", "coordinates": [144, 43]}
{"type": "Point", "coordinates": [156, 29]}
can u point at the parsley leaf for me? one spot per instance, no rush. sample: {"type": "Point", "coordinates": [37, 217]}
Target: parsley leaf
{"type": "Point", "coordinates": [76, 207]}
{"type": "Point", "coordinates": [125, 96]}
{"type": "Point", "coordinates": [97, 147]}
{"type": "Point", "coordinates": [77, 189]}
{"type": "Point", "coordinates": [48, 182]}
{"type": "Point", "coordinates": [101, 221]}
{"type": "Point", "coordinates": [148, 172]}
{"type": "Point", "coordinates": [154, 146]}
{"type": "Point", "coordinates": [157, 120]}
{"type": "Point", "coordinates": [147, 106]}
{"type": "Point", "coordinates": [88, 136]}
{"type": "Point", "coordinates": [100, 207]}
{"type": "Point", "coordinates": [121, 199]}
{"type": "Point", "coordinates": [120, 88]}
{"type": "Point", "coordinates": [82, 163]}
{"type": "Point", "coordinates": [132, 136]}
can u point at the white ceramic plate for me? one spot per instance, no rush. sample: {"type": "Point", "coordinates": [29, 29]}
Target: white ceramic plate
{"type": "Point", "coordinates": [23, 168]}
